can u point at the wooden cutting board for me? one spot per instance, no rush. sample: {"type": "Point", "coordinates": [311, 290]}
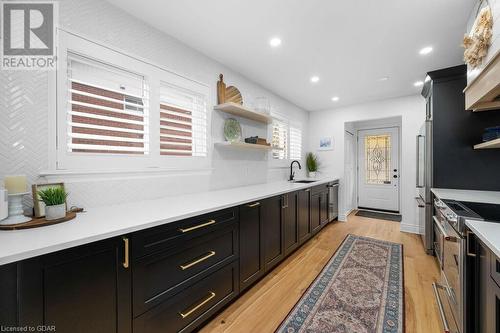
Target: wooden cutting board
{"type": "Point", "coordinates": [233, 95]}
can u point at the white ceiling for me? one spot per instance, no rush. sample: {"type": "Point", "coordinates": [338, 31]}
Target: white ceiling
{"type": "Point", "coordinates": [350, 45]}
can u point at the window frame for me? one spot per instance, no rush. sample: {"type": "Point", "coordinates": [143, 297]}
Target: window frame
{"type": "Point", "coordinates": [66, 161]}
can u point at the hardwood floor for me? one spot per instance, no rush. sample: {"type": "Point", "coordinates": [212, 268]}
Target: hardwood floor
{"type": "Point", "coordinates": [263, 307]}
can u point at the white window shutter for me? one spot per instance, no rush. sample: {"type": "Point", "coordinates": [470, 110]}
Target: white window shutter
{"type": "Point", "coordinates": [280, 139]}
{"type": "Point", "coordinates": [295, 143]}
{"type": "Point", "coordinates": [183, 122]}
{"type": "Point", "coordinates": [107, 110]}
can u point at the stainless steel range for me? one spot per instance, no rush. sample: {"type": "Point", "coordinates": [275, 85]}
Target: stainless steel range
{"type": "Point", "coordinates": [452, 242]}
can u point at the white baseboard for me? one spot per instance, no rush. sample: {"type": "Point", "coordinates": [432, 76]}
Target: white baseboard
{"type": "Point", "coordinates": [411, 228]}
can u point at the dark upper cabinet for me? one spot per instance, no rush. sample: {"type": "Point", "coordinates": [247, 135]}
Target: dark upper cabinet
{"type": "Point", "coordinates": [304, 214]}
{"type": "Point", "coordinates": [290, 222]}
{"type": "Point", "coordinates": [272, 217]}
{"type": "Point", "coordinates": [81, 290]}
{"type": "Point", "coordinates": [251, 244]}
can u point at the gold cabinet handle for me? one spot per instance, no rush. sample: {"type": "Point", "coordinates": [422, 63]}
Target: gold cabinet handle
{"type": "Point", "coordinates": [253, 205]}
{"type": "Point", "coordinates": [126, 255]}
{"type": "Point", "coordinates": [197, 226]}
{"type": "Point", "coordinates": [197, 261]}
{"type": "Point", "coordinates": [196, 307]}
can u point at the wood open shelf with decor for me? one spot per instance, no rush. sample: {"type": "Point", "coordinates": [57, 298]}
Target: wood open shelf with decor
{"type": "Point", "coordinates": [493, 144]}
{"type": "Point", "coordinates": [244, 112]}
{"type": "Point", "coordinates": [244, 145]}
{"type": "Point", "coordinates": [483, 93]}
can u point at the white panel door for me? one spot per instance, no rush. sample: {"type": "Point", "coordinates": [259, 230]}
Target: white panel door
{"type": "Point", "coordinates": [378, 169]}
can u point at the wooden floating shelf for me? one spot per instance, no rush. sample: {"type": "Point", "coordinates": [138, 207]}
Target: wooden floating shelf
{"type": "Point", "coordinates": [243, 145]}
{"type": "Point", "coordinates": [482, 94]}
{"type": "Point", "coordinates": [493, 144]}
{"type": "Point", "coordinates": [244, 112]}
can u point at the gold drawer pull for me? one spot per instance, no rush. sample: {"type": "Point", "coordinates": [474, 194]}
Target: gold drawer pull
{"type": "Point", "coordinates": [205, 301]}
{"type": "Point", "coordinates": [197, 261]}
{"type": "Point", "coordinates": [197, 226]}
{"type": "Point", "coordinates": [253, 205]}
{"type": "Point", "coordinates": [126, 254]}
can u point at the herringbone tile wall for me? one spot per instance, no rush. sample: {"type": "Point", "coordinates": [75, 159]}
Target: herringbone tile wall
{"type": "Point", "coordinates": [24, 115]}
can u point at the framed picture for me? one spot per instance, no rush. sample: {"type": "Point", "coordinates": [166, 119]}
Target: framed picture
{"type": "Point", "coordinates": [326, 143]}
{"type": "Point", "coordinates": [38, 204]}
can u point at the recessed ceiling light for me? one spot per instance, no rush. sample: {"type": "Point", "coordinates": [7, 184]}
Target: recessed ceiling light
{"type": "Point", "coordinates": [383, 78]}
{"type": "Point", "coordinates": [418, 83]}
{"type": "Point", "coordinates": [335, 99]}
{"type": "Point", "coordinates": [275, 42]}
{"type": "Point", "coordinates": [314, 79]}
{"type": "Point", "coordinates": [425, 50]}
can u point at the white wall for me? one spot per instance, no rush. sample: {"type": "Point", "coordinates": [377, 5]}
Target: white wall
{"type": "Point", "coordinates": [25, 131]}
{"type": "Point", "coordinates": [331, 123]}
{"type": "Point", "coordinates": [495, 39]}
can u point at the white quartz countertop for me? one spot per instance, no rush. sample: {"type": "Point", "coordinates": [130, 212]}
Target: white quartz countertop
{"type": "Point", "coordinates": [105, 222]}
{"type": "Point", "coordinates": [488, 233]}
{"type": "Point", "coordinates": [490, 197]}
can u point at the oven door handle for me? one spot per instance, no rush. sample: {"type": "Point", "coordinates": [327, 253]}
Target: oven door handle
{"type": "Point", "coordinates": [442, 231]}
{"type": "Point", "coordinates": [446, 326]}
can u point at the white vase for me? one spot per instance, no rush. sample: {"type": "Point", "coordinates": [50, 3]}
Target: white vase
{"type": "Point", "coordinates": [312, 174]}
{"type": "Point", "coordinates": [55, 212]}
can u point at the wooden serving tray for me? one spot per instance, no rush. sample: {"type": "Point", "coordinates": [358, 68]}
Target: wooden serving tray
{"type": "Point", "coordinates": [38, 222]}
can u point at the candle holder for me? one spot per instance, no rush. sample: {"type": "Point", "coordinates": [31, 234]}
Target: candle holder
{"type": "Point", "coordinates": [16, 210]}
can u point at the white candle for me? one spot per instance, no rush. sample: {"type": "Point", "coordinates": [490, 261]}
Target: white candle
{"type": "Point", "coordinates": [16, 184]}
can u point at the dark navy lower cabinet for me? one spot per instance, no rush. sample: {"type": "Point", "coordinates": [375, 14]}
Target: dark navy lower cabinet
{"type": "Point", "coordinates": [81, 290]}
{"type": "Point", "coordinates": [189, 308]}
{"type": "Point", "coordinates": [170, 278]}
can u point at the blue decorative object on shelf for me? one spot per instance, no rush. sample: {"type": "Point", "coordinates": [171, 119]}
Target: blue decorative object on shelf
{"type": "Point", "coordinates": [491, 133]}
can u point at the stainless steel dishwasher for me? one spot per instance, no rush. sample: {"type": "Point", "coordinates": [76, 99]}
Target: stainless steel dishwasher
{"type": "Point", "coordinates": [333, 200]}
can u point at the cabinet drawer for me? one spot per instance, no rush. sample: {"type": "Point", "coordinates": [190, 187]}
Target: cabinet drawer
{"type": "Point", "coordinates": [192, 306]}
{"type": "Point", "coordinates": [158, 276]}
{"type": "Point", "coordinates": [495, 268]}
{"type": "Point", "coordinates": [319, 188]}
{"type": "Point", "coordinates": [169, 236]}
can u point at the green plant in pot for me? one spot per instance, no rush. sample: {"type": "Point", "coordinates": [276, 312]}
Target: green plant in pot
{"type": "Point", "coordinates": [55, 202]}
{"type": "Point", "coordinates": [312, 164]}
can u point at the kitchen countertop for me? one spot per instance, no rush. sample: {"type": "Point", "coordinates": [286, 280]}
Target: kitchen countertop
{"type": "Point", "coordinates": [490, 197]}
{"type": "Point", "coordinates": [488, 233]}
{"type": "Point", "coordinates": [109, 221]}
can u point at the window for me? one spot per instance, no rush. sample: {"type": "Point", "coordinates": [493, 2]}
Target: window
{"type": "Point", "coordinates": [183, 122]}
{"type": "Point", "coordinates": [115, 112]}
{"type": "Point", "coordinates": [377, 159]}
{"type": "Point", "coordinates": [295, 143]}
{"type": "Point", "coordinates": [107, 112]}
{"type": "Point", "coordinates": [280, 139]}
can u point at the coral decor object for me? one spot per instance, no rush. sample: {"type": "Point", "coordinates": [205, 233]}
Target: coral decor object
{"type": "Point", "coordinates": [478, 41]}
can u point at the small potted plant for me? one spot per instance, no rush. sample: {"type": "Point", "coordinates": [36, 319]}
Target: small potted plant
{"type": "Point", "coordinates": [55, 202]}
{"type": "Point", "coordinates": [312, 164]}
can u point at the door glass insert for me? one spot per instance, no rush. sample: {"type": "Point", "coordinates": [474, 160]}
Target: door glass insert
{"type": "Point", "coordinates": [377, 159]}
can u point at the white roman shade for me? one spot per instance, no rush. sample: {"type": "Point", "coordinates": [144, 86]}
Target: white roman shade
{"type": "Point", "coordinates": [107, 109]}
{"type": "Point", "coordinates": [183, 121]}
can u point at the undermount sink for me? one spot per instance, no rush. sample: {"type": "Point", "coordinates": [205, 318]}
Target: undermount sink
{"type": "Point", "coordinates": [304, 181]}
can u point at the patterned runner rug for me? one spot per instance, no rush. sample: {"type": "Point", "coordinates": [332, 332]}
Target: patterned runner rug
{"type": "Point", "coordinates": [359, 290]}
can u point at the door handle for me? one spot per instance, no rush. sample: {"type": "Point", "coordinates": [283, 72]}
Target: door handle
{"type": "Point", "coordinates": [253, 205]}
